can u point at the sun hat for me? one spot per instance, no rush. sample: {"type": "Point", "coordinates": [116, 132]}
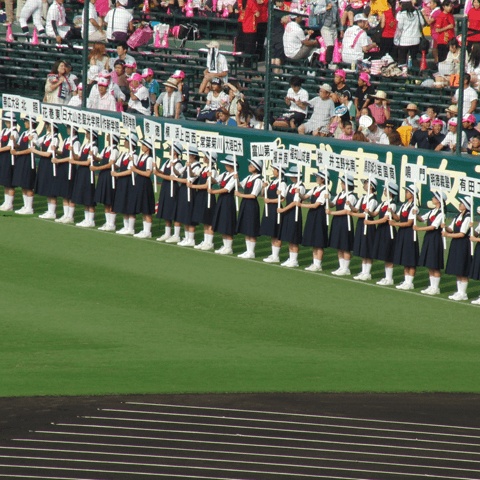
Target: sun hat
{"type": "Point", "coordinates": [229, 160]}
{"type": "Point", "coordinates": [373, 182]}
{"type": "Point", "coordinates": [326, 87]}
{"type": "Point", "coordinates": [392, 187]}
{"type": "Point", "coordinates": [278, 167]}
{"type": "Point", "coordinates": [466, 201]}
{"type": "Point", "coordinates": [411, 106]}
{"type": "Point", "coordinates": [258, 164]}
{"type": "Point", "coordinates": [440, 196]}
{"type": "Point", "coordinates": [210, 154]}
{"type": "Point", "coordinates": [452, 109]}
{"type": "Point", "coordinates": [147, 142]}
{"type": "Point", "coordinates": [178, 148]}
{"type": "Point", "coordinates": [381, 95]}
{"type": "Point", "coordinates": [170, 84]}
{"type": "Point", "coordinates": [192, 149]}
{"type": "Point", "coordinates": [412, 189]}
{"type": "Point", "coordinates": [292, 171]}
{"type": "Point", "coordinates": [348, 179]}
{"type": "Point", "coordinates": [364, 76]}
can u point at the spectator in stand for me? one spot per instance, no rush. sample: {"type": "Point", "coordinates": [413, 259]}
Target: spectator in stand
{"type": "Point", "coordinates": [353, 8]}
{"type": "Point", "coordinates": [76, 99]}
{"type": "Point", "coordinates": [58, 89]}
{"type": "Point", "coordinates": [372, 131]}
{"type": "Point", "coordinates": [453, 56]}
{"type": "Point", "coordinates": [412, 119]}
{"type": "Point", "coordinates": [296, 43]}
{"type": "Point", "coordinates": [112, 88]}
{"type": "Point", "coordinates": [217, 67]}
{"type": "Point", "coordinates": [356, 42]}
{"type": "Point", "coordinates": [262, 22]}
{"type": "Point", "coordinates": [103, 99]}
{"type": "Point", "coordinates": [436, 136]}
{"type": "Point", "coordinates": [379, 109]}
{"type": "Point", "coordinates": [130, 69]}
{"type": "Point", "coordinates": [473, 147]}
{"type": "Point", "coordinates": [346, 99]}
{"type": "Point", "coordinates": [432, 112]}
{"type": "Point", "coordinates": [216, 98]}
{"type": "Point", "coordinates": [388, 23]}
{"type": "Point", "coordinates": [119, 78]}
{"type": "Point", "coordinates": [339, 86]}
{"type": "Point", "coordinates": [470, 96]}
{"type": "Point", "coordinates": [178, 77]}
{"type": "Point", "coordinates": [346, 131]}
{"type": "Point", "coordinates": [473, 34]}
{"type": "Point", "coordinates": [407, 35]}
{"type": "Point", "coordinates": [223, 118]}
{"type": "Point", "coordinates": [119, 22]}
{"type": "Point", "coordinates": [152, 86]}
{"type": "Point", "coordinates": [56, 22]}
{"type": "Point", "coordinates": [450, 140]}
{"type": "Point", "coordinates": [445, 28]}
{"type": "Point", "coordinates": [323, 111]}
{"type": "Point", "coordinates": [421, 137]}
{"type": "Point", "coordinates": [297, 101]}
{"type": "Point", "coordinates": [363, 92]}
{"type": "Point", "coordinates": [139, 101]}
{"type": "Point", "coordinates": [122, 54]}
{"type": "Point", "coordinates": [468, 124]}
{"type": "Point", "coordinates": [278, 29]}
{"type": "Point", "coordinates": [258, 122]}
{"type": "Point", "coordinates": [395, 139]}
{"type": "Point", "coordinates": [244, 114]}
{"type": "Point", "coordinates": [95, 29]}
{"type": "Point", "coordinates": [169, 102]}
{"type": "Point", "coordinates": [232, 88]}
{"type": "Point", "coordinates": [431, 20]}
{"type": "Point", "coordinates": [246, 42]}
{"type": "Point", "coordinates": [98, 56]}
{"type": "Point", "coordinates": [328, 16]}
{"type": "Point", "coordinates": [31, 8]}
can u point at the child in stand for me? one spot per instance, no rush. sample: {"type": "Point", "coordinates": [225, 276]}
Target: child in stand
{"type": "Point", "coordinates": [224, 219]}
{"type": "Point", "coordinates": [412, 119]}
{"type": "Point", "coordinates": [297, 101]}
{"type": "Point", "coordinates": [384, 244]}
{"type": "Point", "coordinates": [459, 258]}
{"type": "Point", "coordinates": [431, 255]}
{"type": "Point", "coordinates": [406, 248]}
{"type": "Point", "coordinates": [475, 268]}
{"type": "Point", "coordinates": [365, 234]}
{"type": "Point", "coordinates": [315, 233]}
{"type": "Point", "coordinates": [291, 220]}
{"type": "Point", "coordinates": [9, 136]}
{"type": "Point", "coordinates": [341, 236]}
{"type": "Point", "coordinates": [248, 222]}
{"type": "Point", "coordinates": [270, 225]}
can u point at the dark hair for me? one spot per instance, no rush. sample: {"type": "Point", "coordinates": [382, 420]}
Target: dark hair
{"type": "Point", "coordinates": [394, 138]}
{"type": "Point", "coordinates": [347, 93]}
{"type": "Point", "coordinates": [434, 108]}
{"type": "Point", "coordinates": [453, 42]}
{"type": "Point", "coordinates": [446, 3]}
{"type": "Point", "coordinates": [296, 81]}
{"type": "Point", "coordinates": [119, 62]}
{"type": "Point", "coordinates": [222, 110]}
{"type": "Point", "coordinates": [359, 136]}
{"type": "Point", "coordinates": [346, 123]}
{"type": "Point", "coordinates": [467, 77]}
{"type": "Point", "coordinates": [475, 55]}
{"type": "Point", "coordinates": [124, 45]}
{"type": "Point", "coordinates": [407, 7]}
{"type": "Point", "coordinates": [259, 114]}
{"type": "Point", "coordinates": [56, 65]}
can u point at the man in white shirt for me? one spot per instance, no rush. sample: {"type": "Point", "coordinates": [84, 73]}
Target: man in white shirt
{"type": "Point", "coordinates": [450, 140]}
{"type": "Point", "coordinates": [122, 49]}
{"type": "Point", "coordinates": [139, 98]}
{"type": "Point", "coordinates": [119, 22]}
{"type": "Point", "coordinates": [103, 100]}
{"type": "Point", "coordinates": [95, 32]}
{"type": "Point", "coordinates": [372, 131]}
{"type": "Point", "coordinates": [470, 96]}
{"type": "Point", "coordinates": [355, 41]}
{"type": "Point", "coordinates": [323, 111]}
{"type": "Point", "coordinates": [56, 22]}
{"type": "Point", "coordinates": [296, 43]}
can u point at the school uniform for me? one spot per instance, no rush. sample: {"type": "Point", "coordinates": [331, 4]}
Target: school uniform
{"type": "Point", "coordinates": [104, 192]}
{"type": "Point", "coordinates": [459, 259]}
{"type": "Point", "coordinates": [167, 201]}
{"type": "Point", "coordinates": [83, 189]}
{"type": "Point", "coordinates": [431, 255]}
{"type": "Point", "coordinates": [65, 179]}
{"type": "Point", "coordinates": [315, 233]}
{"type": "Point", "coordinates": [363, 244]}
{"type": "Point", "coordinates": [143, 200]}
{"type": "Point", "coordinates": [183, 207]}
{"type": "Point", "coordinates": [124, 200]}
{"type": "Point", "coordinates": [201, 214]}
{"type": "Point", "coordinates": [291, 230]}
{"type": "Point", "coordinates": [475, 266]}
{"type": "Point", "coordinates": [269, 225]}
{"type": "Point", "coordinates": [340, 237]}
{"type": "Point", "coordinates": [406, 249]}
{"type": "Point", "coordinates": [248, 222]}
{"type": "Point", "coordinates": [6, 167]}
{"type": "Point", "coordinates": [384, 244]}
{"type": "Point", "coordinates": [225, 218]}
{"type": "Point", "coordinates": [25, 172]}
{"type": "Point", "coordinates": [44, 182]}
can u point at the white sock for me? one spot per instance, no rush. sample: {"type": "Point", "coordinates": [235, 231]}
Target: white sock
{"type": "Point", "coordinates": [462, 288]}
{"type": "Point", "coordinates": [85, 213]}
{"type": "Point", "coordinates": [435, 282]}
{"type": "Point", "coordinates": [168, 231]}
{"type": "Point", "coordinates": [91, 216]}
{"type": "Point", "coordinates": [293, 256]}
{"type": "Point", "coordinates": [191, 236]}
{"type": "Point", "coordinates": [66, 209]}
{"type": "Point", "coordinates": [125, 223]}
{"type": "Point", "coordinates": [25, 201]}
{"type": "Point", "coordinates": [228, 243]}
{"type": "Point", "coordinates": [368, 268]}
{"type": "Point", "coordinates": [317, 262]}
{"type": "Point", "coordinates": [29, 203]}
{"type": "Point", "coordinates": [52, 207]}
{"type": "Point", "coordinates": [131, 223]}
{"type": "Point", "coordinates": [9, 200]}
{"type": "Point", "coordinates": [341, 263]}
{"type": "Point", "coordinates": [409, 279]}
{"type": "Point", "coordinates": [177, 231]}
{"type": "Point", "coordinates": [275, 251]}
{"type": "Point", "coordinates": [389, 273]}
{"type": "Point", "coordinates": [208, 238]}
{"type": "Point", "coordinates": [346, 264]}
{"type": "Point", "coordinates": [147, 227]}
{"type": "Point", "coordinates": [71, 212]}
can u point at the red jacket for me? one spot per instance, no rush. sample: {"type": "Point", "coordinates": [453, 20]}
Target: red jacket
{"type": "Point", "coordinates": [246, 16]}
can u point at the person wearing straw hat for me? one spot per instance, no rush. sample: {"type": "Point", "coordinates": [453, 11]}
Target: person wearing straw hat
{"type": "Point", "coordinates": [168, 194]}
{"type": "Point", "coordinates": [24, 172]}
{"type": "Point", "coordinates": [384, 244]}
{"type": "Point", "coordinates": [248, 221]}
{"type": "Point", "coordinates": [203, 208]}
{"type": "Point", "coordinates": [9, 137]}
{"type": "Point", "coordinates": [323, 111]}
{"type": "Point", "coordinates": [412, 119]}
{"type": "Point", "coordinates": [364, 239]}
{"type": "Point", "coordinates": [475, 267]}
{"type": "Point", "coordinates": [379, 109]}
{"type": "Point", "coordinates": [421, 138]}
{"type": "Point", "coordinates": [104, 192]}
{"type": "Point", "coordinates": [450, 140]}
{"type": "Point", "coordinates": [315, 233]}
{"type": "Point", "coordinates": [431, 255]}
{"type": "Point", "coordinates": [291, 222]}
{"type": "Point", "coordinates": [169, 102]}
{"type": "Point", "coordinates": [225, 219]}
{"type": "Point", "coordinates": [341, 236]}
{"type": "Point", "coordinates": [186, 197]}
{"type": "Point", "coordinates": [270, 225]}
{"type": "Point", "coordinates": [459, 256]}
{"type": "Point", "coordinates": [406, 248]}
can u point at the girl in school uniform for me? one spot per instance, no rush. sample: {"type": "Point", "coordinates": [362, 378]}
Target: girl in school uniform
{"type": "Point", "coordinates": [45, 180]}
{"type": "Point", "coordinates": [384, 244]}
{"type": "Point", "coordinates": [104, 192]}
{"type": "Point", "coordinates": [475, 268]}
{"type": "Point", "coordinates": [225, 216]}
{"type": "Point", "coordinates": [270, 225]}
{"type": "Point", "coordinates": [315, 234]}
{"type": "Point", "coordinates": [365, 234]}
{"type": "Point", "coordinates": [144, 197]}
{"type": "Point", "coordinates": [168, 195]}
{"type": "Point", "coordinates": [25, 172]}
{"type": "Point", "coordinates": [202, 211]}
{"type": "Point", "coordinates": [431, 255]}
{"type": "Point", "coordinates": [248, 222]}
{"type": "Point", "coordinates": [291, 222]}
{"type": "Point", "coordinates": [66, 172]}
{"type": "Point", "coordinates": [9, 137]}
{"type": "Point", "coordinates": [341, 237]}
{"type": "Point", "coordinates": [459, 258]}
{"type": "Point", "coordinates": [125, 195]}
{"type": "Point", "coordinates": [406, 248]}
{"type": "Point", "coordinates": [186, 196]}
{"type": "Point", "coordinates": [84, 185]}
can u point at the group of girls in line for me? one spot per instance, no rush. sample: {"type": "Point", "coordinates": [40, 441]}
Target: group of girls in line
{"type": "Point", "coordinates": [194, 192]}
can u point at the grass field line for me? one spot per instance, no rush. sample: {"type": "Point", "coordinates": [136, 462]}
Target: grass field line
{"type": "Point", "coordinates": [43, 477]}
{"type": "Point", "coordinates": [230, 452]}
{"type": "Point", "coordinates": [256, 261]}
{"type": "Point", "coordinates": [348, 427]}
{"type": "Point", "coordinates": [222, 460]}
{"type": "Point", "coordinates": [306, 415]}
{"type": "Point", "coordinates": [256, 445]}
{"type": "Point", "coordinates": [143, 429]}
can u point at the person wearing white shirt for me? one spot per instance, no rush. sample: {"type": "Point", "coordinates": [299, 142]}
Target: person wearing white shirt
{"type": "Point", "coordinates": [410, 21]}
{"type": "Point", "coordinates": [56, 22]}
{"type": "Point", "coordinates": [372, 131]}
{"type": "Point", "coordinates": [119, 22]}
{"type": "Point", "coordinates": [101, 98]}
{"type": "Point", "coordinates": [296, 43]}
{"type": "Point", "coordinates": [31, 8]}
{"type": "Point", "coordinates": [450, 140]}
{"type": "Point", "coordinates": [95, 31]}
{"type": "Point", "coordinates": [356, 43]}
{"type": "Point", "coordinates": [323, 111]}
{"type": "Point", "coordinates": [470, 96]}
{"type": "Point", "coordinates": [139, 99]}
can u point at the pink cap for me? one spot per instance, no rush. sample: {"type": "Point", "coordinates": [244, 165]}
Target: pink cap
{"type": "Point", "coordinates": [437, 121]}
{"type": "Point", "coordinates": [424, 119]}
{"type": "Point", "coordinates": [147, 72]}
{"type": "Point", "coordinates": [468, 117]}
{"type": "Point", "coordinates": [341, 73]}
{"type": "Point", "coordinates": [103, 82]}
{"type": "Point", "coordinates": [131, 65]}
{"type": "Point", "coordinates": [80, 86]}
{"type": "Point", "coordinates": [178, 74]}
{"type": "Point", "coordinates": [135, 76]}
{"type": "Point", "coordinates": [105, 74]}
{"type": "Point", "coordinates": [365, 77]}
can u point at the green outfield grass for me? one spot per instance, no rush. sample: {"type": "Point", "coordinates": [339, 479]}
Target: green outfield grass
{"type": "Point", "coordinates": [87, 312]}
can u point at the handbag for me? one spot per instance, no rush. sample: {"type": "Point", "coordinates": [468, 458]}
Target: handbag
{"type": "Point", "coordinates": [424, 44]}
{"type": "Point", "coordinates": [141, 36]}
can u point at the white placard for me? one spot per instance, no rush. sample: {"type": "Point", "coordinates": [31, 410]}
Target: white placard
{"type": "Point", "coordinates": [152, 130]}
{"type": "Point", "coordinates": [335, 162]}
{"type": "Point", "coordinates": [210, 142]}
{"type": "Point", "coordinates": [89, 120]}
{"type": "Point", "coordinates": [380, 170]}
{"type": "Point", "coordinates": [70, 116]}
{"type": "Point", "coordinates": [416, 173]}
{"type": "Point", "coordinates": [281, 157]}
{"type": "Point", "coordinates": [262, 150]}
{"type": "Point", "coordinates": [51, 113]}
{"type": "Point", "coordinates": [300, 156]}
{"type": "Point", "coordinates": [110, 125]}
{"type": "Point", "coordinates": [469, 186]}
{"type": "Point", "coordinates": [233, 146]}
{"type": "Point", "coordinates": [189, 136]}
{"type": "Point", "coordinates": [171, 131]}
{"type": "Point", "coordinates": [439, 180]}
{"type": "Point", "coordinates": [11, 102]}
{"type": "Point", "coordinates": [129, 121]}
